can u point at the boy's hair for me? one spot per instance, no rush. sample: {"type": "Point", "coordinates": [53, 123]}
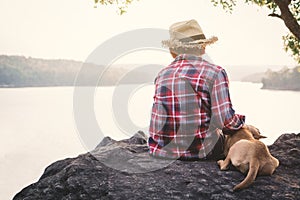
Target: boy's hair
{"type": "Point", "coordinates": [197, 51]}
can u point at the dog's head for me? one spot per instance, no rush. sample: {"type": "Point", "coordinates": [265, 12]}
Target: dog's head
{"type": "Point", "coordinates": [255, 132]}
{"type": "Point", "coordinates": [248, 132]}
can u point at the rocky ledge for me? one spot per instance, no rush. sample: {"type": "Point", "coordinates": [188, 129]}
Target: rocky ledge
{"type": "Point", "coordinates": [124, 170]}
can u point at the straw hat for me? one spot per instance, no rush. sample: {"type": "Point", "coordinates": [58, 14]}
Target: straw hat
{"type": "Point", "coordinates": [187, 34]}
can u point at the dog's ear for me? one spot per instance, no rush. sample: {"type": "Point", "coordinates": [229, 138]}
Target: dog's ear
{"type": "Point", "coordinates": [258, 136]}
{"type": "Point", "coordinates": [261, 136]}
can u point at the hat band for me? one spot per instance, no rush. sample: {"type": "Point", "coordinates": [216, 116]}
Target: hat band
{"type": "Point", "coordinates": [193, 38]}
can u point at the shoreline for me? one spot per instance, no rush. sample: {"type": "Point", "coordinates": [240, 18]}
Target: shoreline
{"type": "Point", "coordinates": [111, 85]}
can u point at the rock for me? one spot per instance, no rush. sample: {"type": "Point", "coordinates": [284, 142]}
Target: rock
{"type": "Point", "coordinates": [124, 170]}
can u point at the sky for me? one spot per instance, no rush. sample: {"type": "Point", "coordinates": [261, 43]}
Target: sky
{"type": "Point", "coordinates": [73, 29]}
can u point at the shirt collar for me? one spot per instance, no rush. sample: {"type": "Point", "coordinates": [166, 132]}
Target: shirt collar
{"type": "Point", "coordinates": [187, 57]}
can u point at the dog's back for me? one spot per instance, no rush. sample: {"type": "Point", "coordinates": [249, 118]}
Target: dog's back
{"type": "Point", "coordinates": [248, 154]}
{"type": "Point", "coordinates": [243, 133]}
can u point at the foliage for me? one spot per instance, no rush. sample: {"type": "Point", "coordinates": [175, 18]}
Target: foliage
{"type": "Point", "coordinates": [285, 79]}
{"type": "Point", "coordinates": [294, 6]}
{"type": "Point", "coordinates": [122, 5]}
{"type": "Point", "coordinates": [292, 45]}
{"type": "Point", "coordinates": [226, 4]}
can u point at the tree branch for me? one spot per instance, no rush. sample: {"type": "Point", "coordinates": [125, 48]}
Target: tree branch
{"type": "Point", "coordinates": [288, 18]}
{"type": "Point", "coordinates": [275, 15]}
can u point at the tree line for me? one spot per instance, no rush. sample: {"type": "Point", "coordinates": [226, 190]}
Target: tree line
{"type": "Point", "coordinates": [19, 71]}
{"type": "Point", "coordinates": [285, 79]}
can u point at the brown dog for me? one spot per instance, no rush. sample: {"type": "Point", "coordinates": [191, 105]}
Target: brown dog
{"type": "Point", "coordinates": [244, 150]}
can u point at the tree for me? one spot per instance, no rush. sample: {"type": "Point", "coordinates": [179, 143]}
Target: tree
{"type": "Point", "coordinates": [286, 10]}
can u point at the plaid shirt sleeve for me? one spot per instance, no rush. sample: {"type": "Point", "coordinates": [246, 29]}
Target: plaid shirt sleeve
{"type": "Point", "coordinates": [223, 115]}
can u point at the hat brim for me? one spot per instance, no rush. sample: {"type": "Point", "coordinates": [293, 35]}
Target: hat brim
{"type": "Point", "coordinates": [175, 43]}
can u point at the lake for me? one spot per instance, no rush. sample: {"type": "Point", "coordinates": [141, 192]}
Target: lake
{"type": "Point", "coordinates": [38, 127]}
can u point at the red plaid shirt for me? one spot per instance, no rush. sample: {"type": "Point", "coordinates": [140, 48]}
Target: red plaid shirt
{"type": "Point", "coordinates": [191, 103]}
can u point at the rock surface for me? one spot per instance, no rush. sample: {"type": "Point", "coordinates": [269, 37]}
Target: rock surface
{"type": "Point", "coordinates": [124, 170]}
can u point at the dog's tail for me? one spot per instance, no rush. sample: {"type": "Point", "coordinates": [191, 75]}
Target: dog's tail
{"type": "Point", "coordinates": [253, 169]}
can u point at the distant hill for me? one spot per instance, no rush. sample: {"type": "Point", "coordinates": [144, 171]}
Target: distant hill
{"type": "Point", "coordinates": [285, 79]}
{"type": "Point", "coordinates": [19, 71]}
